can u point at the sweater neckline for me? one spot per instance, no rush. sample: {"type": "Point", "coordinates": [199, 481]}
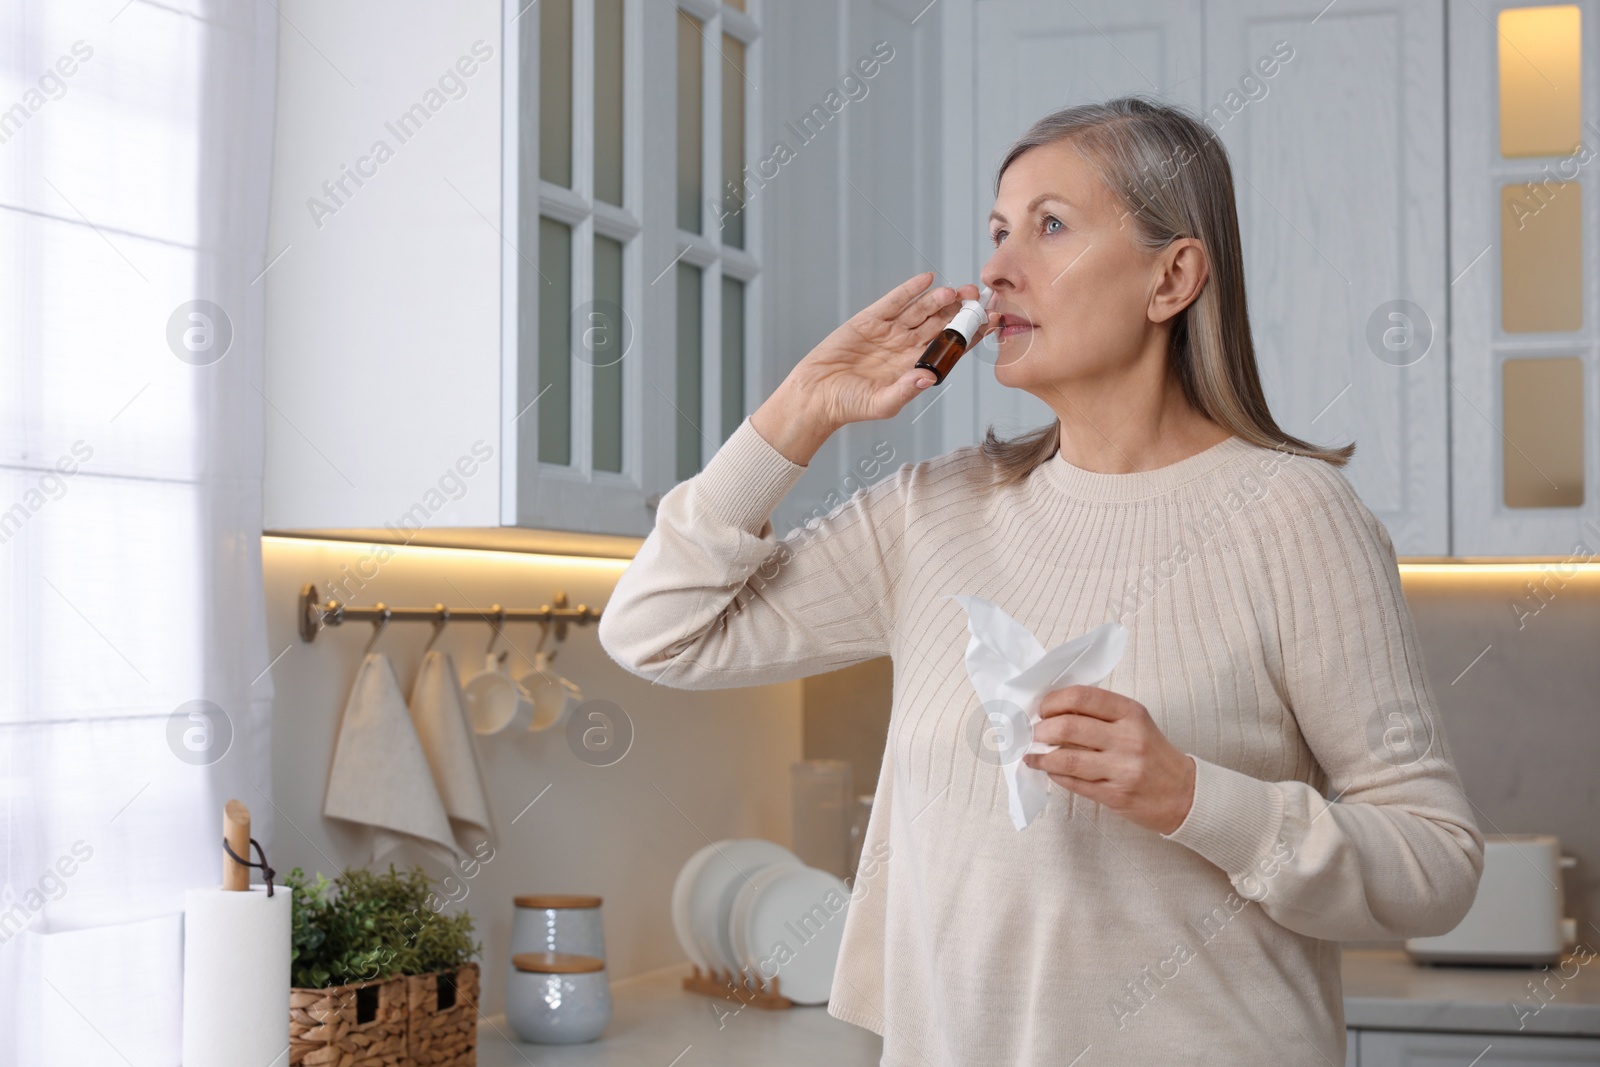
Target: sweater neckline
{"type": "Point", "coordinates": [1084, 484]}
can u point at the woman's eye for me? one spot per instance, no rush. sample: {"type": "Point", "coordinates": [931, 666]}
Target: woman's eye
{"type": "Point", "coordinates": [1048, 219]}
{"type": "Point", "coordinates": [996, 235]}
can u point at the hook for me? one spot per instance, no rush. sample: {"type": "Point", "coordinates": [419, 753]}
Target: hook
{"type": "Point", "coordinates": [499, 614]}
{"type": "Point", "coordinates": [438, 626]}
{"type": "Point", "coordinates": [378, 624]}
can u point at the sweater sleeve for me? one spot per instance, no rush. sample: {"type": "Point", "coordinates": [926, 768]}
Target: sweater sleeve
{"type": "Point", "coordinates": [1396, 853]}
{"type": "Point", "coordinates": [713, 600]}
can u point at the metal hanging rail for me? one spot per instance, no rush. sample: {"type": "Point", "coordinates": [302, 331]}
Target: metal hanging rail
{"type": "Point", "coordinates": [316, 613]}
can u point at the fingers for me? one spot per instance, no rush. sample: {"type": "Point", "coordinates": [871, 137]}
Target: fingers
{"type": "Point", "coordinates": [934, 324]}
{"type": "Point", "coordinates": [887, 403]}
{"type": "Point", "coordinates": [1091, 700]}
{"type": "Point", "coordinates": [940, 303]}
{"type": "Point", "coordinates": [914, 383]}
{"type": "Point", "coordinates": [1078, 765]}
{"type": "Point", "coordinates": [909, 301]}
{"type": "Point", "coordinates": [891, 304]}
{"type": "Point", "coordinates": [1076, 731]}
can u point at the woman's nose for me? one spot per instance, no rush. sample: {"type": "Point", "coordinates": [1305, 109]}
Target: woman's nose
{"type": "Point", "coordinates": [994, 273]}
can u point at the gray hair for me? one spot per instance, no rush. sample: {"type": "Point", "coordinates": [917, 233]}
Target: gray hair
{"type": "Point", "coordinates": [1171, 173]}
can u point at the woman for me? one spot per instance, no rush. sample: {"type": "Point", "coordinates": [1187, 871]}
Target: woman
{"type": "Point", "coordinates": [1182, 896]}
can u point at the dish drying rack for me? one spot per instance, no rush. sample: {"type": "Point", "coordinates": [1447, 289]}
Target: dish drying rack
{"type": "Point", "coordinates": [746, 987]}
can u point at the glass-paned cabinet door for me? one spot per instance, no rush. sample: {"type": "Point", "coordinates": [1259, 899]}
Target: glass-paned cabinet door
{"type": "Point", "coordinates": [631, 252]}
{"type": "Point", "coordinates": [716, 241]}
{"type": "Point", "coordinates": [686, 436]}
{"type": "Point", "coordinates": [1525, 348]}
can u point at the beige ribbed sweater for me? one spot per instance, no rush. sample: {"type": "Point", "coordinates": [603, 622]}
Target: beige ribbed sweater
{"type": "Point", "coordinates": [1269, 639]}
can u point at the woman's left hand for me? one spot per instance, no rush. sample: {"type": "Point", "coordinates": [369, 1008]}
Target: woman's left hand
{"type": "Point", "coordinates": [1113, 753]}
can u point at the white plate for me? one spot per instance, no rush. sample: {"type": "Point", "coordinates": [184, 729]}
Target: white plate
{"type": "Point", "coordinates": [739, 917]}
{"type": "Point", "coordinates": [681, 890]}
{"type": "Point", "coordinates": [715, 885]}
{"type": "Point", "coordinates": [802, 909]}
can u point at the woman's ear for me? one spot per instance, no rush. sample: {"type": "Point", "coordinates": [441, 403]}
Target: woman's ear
{"type": "Point", "coordinates": [1182, 269]}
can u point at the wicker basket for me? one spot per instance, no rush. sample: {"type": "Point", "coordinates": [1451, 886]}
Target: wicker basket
{"type": "Point", "coordinates": [358, 1025]}
{"type": "Point", "coordinates": [442, 1028]}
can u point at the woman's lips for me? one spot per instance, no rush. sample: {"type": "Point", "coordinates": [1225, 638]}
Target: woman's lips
{"type": "Point", "coordinates": [1011, 326]}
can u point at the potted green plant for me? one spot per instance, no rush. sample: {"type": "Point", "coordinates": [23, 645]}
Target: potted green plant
{"type": "Point", "coordinates": [379, 973]}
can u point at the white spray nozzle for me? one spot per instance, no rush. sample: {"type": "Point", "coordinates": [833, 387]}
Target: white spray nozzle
{"type": "Point", "coordinates": [968, 319]}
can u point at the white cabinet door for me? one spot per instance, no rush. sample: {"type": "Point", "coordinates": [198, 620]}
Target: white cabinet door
{"type": "Point", "coordinates": [1481, 346]}
{"type": "Point", "coordinates": [854, 213]}
{"type": "Point", "coordinates": [1383, 1048]}
{"type": "Point", "coordinates": [382, 304]}
{"type": "Point", "coordinates": [1339, 170]}
{"type": "Point", "coordinates": [586, 397]}
{"type": "Point", "coordinates": [1012, 62]}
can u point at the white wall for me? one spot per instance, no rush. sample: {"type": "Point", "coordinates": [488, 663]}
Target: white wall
{"type": "Point", "coordinates": [721, 756]}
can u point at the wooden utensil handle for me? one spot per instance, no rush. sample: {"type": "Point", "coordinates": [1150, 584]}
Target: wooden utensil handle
{"type": "Point", "coordinates": [236, 831]}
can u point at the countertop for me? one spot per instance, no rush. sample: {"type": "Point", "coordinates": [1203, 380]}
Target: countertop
{"type": "Point", "coordinates": [1384, 990]}
{"type": "Point", "coordinates": [655, 1023]}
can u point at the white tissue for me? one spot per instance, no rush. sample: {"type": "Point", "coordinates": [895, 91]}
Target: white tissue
{"type": "Point", "coordinates": [1011, 670]}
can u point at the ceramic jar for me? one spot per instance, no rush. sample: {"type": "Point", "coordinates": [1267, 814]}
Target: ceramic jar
{"type": "Point", "coordinates": [557, 998]}
{"type": "Point", "coordinates": [556, 922]}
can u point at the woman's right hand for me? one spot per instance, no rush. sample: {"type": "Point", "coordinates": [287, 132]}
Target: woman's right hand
{"type": "Point", "coordinates": [865, 369]}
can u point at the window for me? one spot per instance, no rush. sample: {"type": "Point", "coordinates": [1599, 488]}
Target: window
{"type": "Point", "coordinates": [632, 318]}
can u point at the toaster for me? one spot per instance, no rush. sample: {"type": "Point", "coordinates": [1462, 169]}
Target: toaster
{"type": "Point", "coordinates": [1516, 917]}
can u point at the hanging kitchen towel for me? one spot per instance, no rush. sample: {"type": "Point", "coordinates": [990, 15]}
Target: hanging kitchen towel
{"type": "Point", "coordinates": [380, 777]}
{"type": "Point", "coordinates": [1011, 672]}
{"type": "Point", "coordinates": [441, 723]}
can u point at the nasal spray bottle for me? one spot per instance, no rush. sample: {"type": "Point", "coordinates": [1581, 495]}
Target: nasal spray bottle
{"type": "Point", "coordinates": [943, 351]}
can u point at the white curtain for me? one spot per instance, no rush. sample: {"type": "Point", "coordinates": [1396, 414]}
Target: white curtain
{"type": "Point", "coordinates": [135, 147]}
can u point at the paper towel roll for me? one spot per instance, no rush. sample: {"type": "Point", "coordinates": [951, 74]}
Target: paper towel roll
{"type": "Point", "coordinates": [236, 977]}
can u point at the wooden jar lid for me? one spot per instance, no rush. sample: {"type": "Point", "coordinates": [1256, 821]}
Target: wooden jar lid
{"type": "Point", "coordinates": [557, 963]}
{"type": "Point", "coordinates": [557, 900]}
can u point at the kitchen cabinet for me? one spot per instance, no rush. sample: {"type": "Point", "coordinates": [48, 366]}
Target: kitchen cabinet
{"type": "Point", "coordinates": [724, 291]}
{"type": "Point", "coordinates": [489, 331]}
{"type": "Point", "coordinates": [1381, 1048]}
{"type": "Point", "coordinates": [382, 307]}
{"type": "Point", "coordinates": [1339, 166]}
{"type": "Point", "coordinates": [1335, 129]}
{"type": "Point", "coordinates": [409, 385]}
{"type": "Point", "coordinates": [595, 277]}
{"type": "Point", "coordinates": [857, 212]}
{"type": "Point", "coordinates": [1497, 437]}
{"type": "Point", "coordinates": [397, 326]}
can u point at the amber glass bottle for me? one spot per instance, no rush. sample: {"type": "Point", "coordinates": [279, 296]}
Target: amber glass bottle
{"type": "Point", "coordinates": [943, 351]}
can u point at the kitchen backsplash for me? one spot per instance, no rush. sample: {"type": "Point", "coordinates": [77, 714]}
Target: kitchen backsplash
{"type": "Point", "coordinates": [703, 765]}
{"type": "Point", "coordinates": [1517, 677]}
